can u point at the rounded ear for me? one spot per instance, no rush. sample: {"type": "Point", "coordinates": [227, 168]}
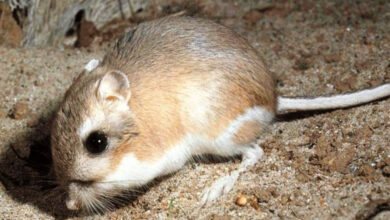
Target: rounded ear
{"type": "Point", "coordinates": [114, 86]}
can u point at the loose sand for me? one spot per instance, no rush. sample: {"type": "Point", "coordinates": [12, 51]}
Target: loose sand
{"type": "Point", "coordinates": [325, 165]}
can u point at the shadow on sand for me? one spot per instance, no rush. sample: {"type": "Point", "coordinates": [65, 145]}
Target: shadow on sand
{"type": "Point", "coordinates": [31, 179]}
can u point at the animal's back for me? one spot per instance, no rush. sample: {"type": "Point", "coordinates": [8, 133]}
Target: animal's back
{"type": "Point", "coordinates": [190, 75]}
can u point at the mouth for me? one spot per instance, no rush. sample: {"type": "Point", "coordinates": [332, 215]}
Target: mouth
{"type": "Point", "coordinates": [73, 204]}
{"type": "Point", "coordinates": [78, 191]}
{"type": "Point", "coordinates": [89, 196]}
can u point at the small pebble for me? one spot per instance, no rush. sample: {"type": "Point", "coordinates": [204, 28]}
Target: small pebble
{"type": "Point", "coordinates": [367, 170]}
{"type": "Point", "coordinates": [386, 171]}
{"type": "Point", "coordinates": [20, 110]}
{"type": "Point", "coordinates": [255, 204]}
{"type": "Point", "coordinates": [386, 159]}
{"type": "Point", "coordinates": [241, 200]}
{"type": "Point", "coordinates": [263, 195]}
{"type": "Point", "coordinates": [300, 141]}
{"type": "Point", "coordinates": [273, 190]}
{"type": "Point", "coordinates": [284, 199]}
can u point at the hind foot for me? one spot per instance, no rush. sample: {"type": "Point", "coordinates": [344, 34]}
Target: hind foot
{"type": "Point", "coordinates": [225, 183]}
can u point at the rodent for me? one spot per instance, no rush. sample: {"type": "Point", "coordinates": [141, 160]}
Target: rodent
{"type": "Point", "coordinates": [170, 89]}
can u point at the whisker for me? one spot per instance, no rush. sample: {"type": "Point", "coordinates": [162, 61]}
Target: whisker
{"type": "Point", "coordinates": [91, 206]}
{"type": "Point", "coordinates": [133, 192]}
{"type": "Point", "coordinates": [119, 181]}
{"type": "Point", "coordinates": [120, 200]}
{"type": "Point", "coordinates": [113, 200]}
{"type": "Point", "coordinates": [109, 205]}
{"type": "Point", "coordinates": [98, 205]}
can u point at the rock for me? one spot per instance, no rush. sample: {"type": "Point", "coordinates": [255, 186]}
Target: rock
{"type": "Point", "coordinates": [262, 195]}
{"type": "Point", "coordinates": [254, 15]}
{"type": "Point", "coordinates": [284, 199]}
{"type": "Point", "coordinates": [20, 110]}
{"type": "Point", "coordinates": [241, 200]}
{"type": "Point", "coordinates": [342, 160]}
{"type": "Point", "coordinates": [367, 170]}
{"type": "Point", "coordinates": [323, 146]}
{"type": "Point", "coordinates": [254, 204]}
{"type": "Point", "coordinates": [386, 171]}
{"type": "Point", "coordinates": [332, 57]}
{"type": "Point", "coordinates": [362, 65]}
{"type": "Point", "coordinates": [86, 33]}
{"type": "Point", "coordinates": [386, 158]}
{"type": "Point", "coordinates": [273, 191]}
{"type": "Point", "coordinates": [300, 141]}
{"type": "Point", "coordinates": [302, 64]}
{"type": "Point", "coordinates": [303, 177]}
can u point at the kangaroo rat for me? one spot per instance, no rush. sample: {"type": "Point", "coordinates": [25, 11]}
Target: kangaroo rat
{"type": "Point", "coordinates": [168, 90]}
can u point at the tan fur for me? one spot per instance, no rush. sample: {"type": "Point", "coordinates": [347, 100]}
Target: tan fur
{"type": "Point", "coordinates": [247, 133]}
{"type": "Point", "coordinates": [187, 76]}
{"type": "Point", "coordinates": [160, 86]}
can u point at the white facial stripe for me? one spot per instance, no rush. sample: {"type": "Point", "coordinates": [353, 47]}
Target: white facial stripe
{"type": "Point", "coordinates": [91, 65]}
{"type": "Point", "coordinates": [90, 124]}
{"type": "Point", "coordinates": [86, 128]}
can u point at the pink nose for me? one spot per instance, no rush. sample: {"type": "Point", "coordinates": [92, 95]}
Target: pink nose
{"type": "Point", "coordinates": [72, 204]}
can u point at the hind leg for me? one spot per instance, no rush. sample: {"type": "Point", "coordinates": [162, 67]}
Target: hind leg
{"type": "Point", "coordinates": [239, 137]}
{"type": "Point", "coordinates": [225, 183]}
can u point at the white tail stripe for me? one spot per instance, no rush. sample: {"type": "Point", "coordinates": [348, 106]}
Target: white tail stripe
{"type": "Point", "coordinates": [337, 101]}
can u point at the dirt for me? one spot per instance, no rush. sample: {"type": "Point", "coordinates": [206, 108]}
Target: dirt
{"type": "Point", "coordinates": [324, 165]}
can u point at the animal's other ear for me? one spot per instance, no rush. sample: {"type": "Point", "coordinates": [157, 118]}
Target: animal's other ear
{"type": "Point", "coordinates": [91, 65]}
{"type": "Point", "coordinates": [114, 86]}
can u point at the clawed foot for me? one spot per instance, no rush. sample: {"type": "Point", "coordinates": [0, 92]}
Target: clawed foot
{"type": "Point", "coordinates": [221, 186]}
{"type": "Point", "coordinates": [225, 184]}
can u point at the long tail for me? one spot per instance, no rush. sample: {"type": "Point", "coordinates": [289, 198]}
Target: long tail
{"type": "Point", "coordinates": [333, 102]}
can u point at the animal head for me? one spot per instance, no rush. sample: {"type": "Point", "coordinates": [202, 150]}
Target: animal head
{"type": "Point", "coordinates": [92, 124]}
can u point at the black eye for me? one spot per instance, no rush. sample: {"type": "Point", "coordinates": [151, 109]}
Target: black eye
{"type": "Point", "coordinates": [96, 142]}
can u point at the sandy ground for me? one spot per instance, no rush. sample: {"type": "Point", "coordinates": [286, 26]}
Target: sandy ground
{"type": "Point", "coordinates": [318, 165]}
